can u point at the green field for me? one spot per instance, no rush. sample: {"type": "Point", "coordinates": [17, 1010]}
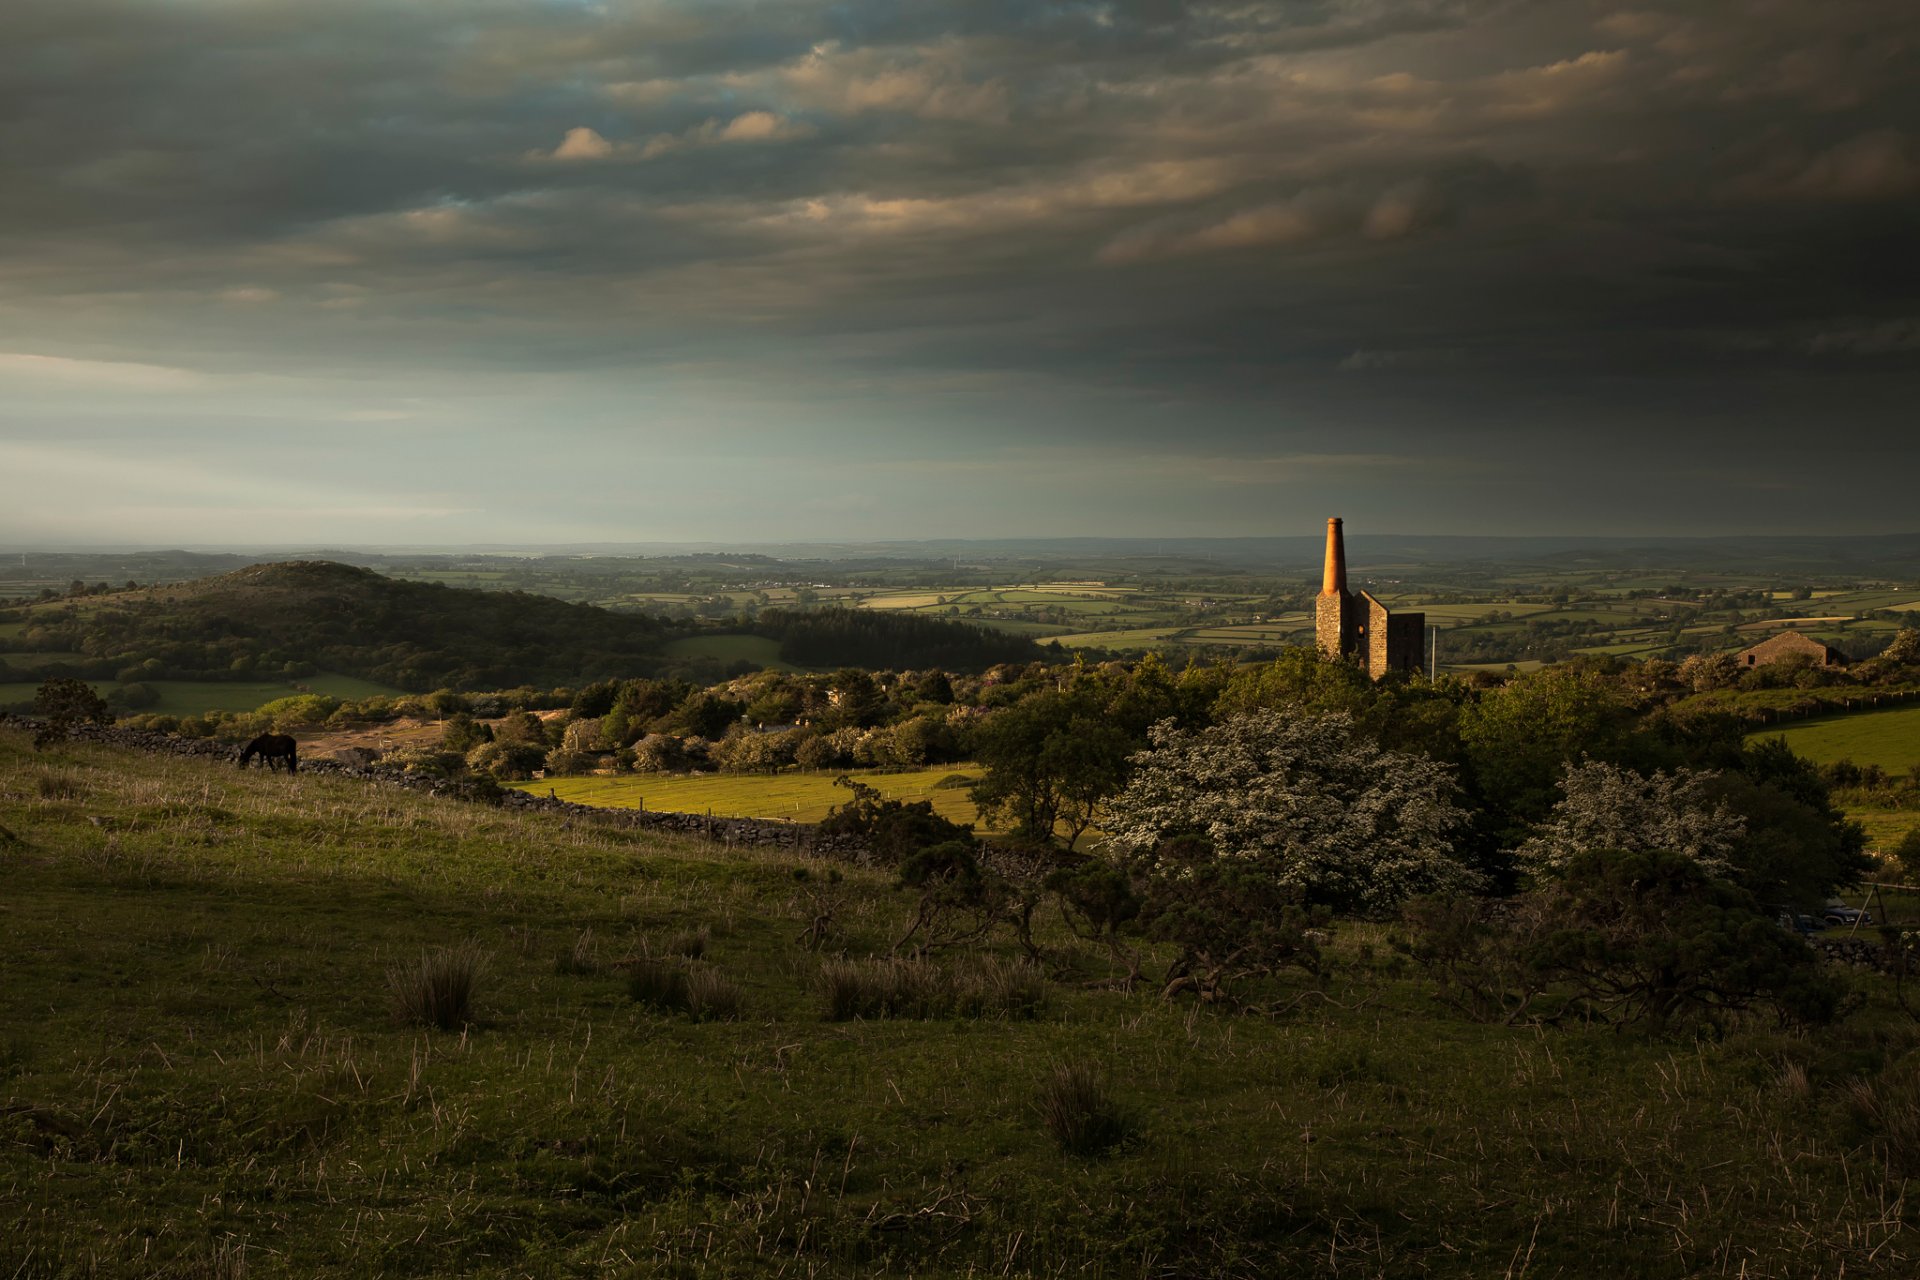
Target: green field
{"type": "Point", "coordinates": [1889, 738]}
{"type": "Point", "coordinates": [791, 796]}
{"type": "Point", "coordinates": [759, 650]}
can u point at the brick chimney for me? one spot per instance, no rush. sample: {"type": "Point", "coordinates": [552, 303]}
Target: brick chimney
{"type": "Point", "coordinates": [1334, 581]}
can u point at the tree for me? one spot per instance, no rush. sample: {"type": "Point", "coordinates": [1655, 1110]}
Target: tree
{"type": "Point", "coordinates": [1308, 802]}
{"type": "Point", "coordinates": [1603, 806]}
{"type": "Point", "coordinates": [1519, 737]}
{"type": "Point", "coordinates": [1795, 844]}
{"type": "Point", "coordinates": [65, 703]}
{"type": "Point", "coordinates": [1051, 760]}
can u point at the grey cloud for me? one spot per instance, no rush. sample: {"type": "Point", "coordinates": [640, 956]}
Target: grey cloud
{"type": "Point", "coordinates": [1082, 220]}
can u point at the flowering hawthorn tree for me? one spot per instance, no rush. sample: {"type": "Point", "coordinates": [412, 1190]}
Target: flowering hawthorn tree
{"type": "Point", "coordinates": [1603, 806]}
{"type": "Point", "coordinates": [1309, 801]}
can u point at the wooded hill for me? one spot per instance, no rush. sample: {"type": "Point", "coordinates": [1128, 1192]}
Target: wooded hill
{"type": "Point", "coordinates": [295, 618]}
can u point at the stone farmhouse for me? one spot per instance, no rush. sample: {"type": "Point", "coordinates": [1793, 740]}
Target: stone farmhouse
{"type": "Point", "coordinates": [1790, 644]}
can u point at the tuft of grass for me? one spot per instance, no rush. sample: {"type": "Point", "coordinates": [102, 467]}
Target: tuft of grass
{"type": "Point", "coordinates": [691, 943]}
{"type": "Point", "coordinates": [914, 987]}
{"type": "Point", "coordinates": [1889, 1104]}
{"type": "Point", "coordinates": [674, 985]}
{"type": "Point", "coordinates": [1079, 1114]}
{"type": "Point", "coordinates": [579, 957]}
{"type": "Point", "coordinates": [437, 990]}
{"type": "Point", "coordinates": [711, 995]}
{"type": "Point", "coordinates": [58, 786]}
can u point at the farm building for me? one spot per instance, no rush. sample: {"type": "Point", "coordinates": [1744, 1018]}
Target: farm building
{"type": "Point", "coordinates": [1787, 645]}
{"type": "Point", "coordinates": [1347, 623]}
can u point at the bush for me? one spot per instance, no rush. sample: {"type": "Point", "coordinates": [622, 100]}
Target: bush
{"type": "Point", "coordinates": [438, 990]}
{"type": "Point", "coordinates": [1650, 939]}
{"type": "Point", "coordinates": [1077, 1111]}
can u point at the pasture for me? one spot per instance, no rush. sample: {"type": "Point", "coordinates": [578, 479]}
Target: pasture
{"type": "Point", "coordinates": [203, 1074]}
{"type": "Point", "coordinates": [791, 796]}
{"type": "Point", "coordinates": [1889, 738]}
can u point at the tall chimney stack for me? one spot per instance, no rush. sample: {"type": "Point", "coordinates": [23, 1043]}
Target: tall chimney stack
{"type": "Point", "coordinates": [1334, 581]}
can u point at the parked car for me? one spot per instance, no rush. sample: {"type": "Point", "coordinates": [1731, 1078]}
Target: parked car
{"type": "Point", "coordinates": [1838, 912]}
{"type": "Point", "coordinates": [1795, 921]}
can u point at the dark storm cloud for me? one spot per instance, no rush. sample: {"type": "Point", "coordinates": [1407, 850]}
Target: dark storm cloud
{"type": "Point", "coordinates": [1354, 228]}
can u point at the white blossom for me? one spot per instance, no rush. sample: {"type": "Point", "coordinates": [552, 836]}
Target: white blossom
{"type": "Point", "coordinates": [1603, 806]}
{"type": "Point", "coordinates": [1326, 808]}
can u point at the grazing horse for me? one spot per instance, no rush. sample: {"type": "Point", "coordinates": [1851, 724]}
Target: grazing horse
{"type": "Point", "coordinates": [272, 748]}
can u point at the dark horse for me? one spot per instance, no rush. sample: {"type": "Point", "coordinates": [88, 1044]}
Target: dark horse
{"type": "Point", "coordinates": [272, 748]}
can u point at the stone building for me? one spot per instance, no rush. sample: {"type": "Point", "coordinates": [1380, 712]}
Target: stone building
{"type": "Point", "coordinates": [1350, 624]}
{"type": "Point", "coordinates": [1790, 644]}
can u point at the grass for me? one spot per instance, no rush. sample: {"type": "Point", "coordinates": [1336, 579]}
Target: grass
{"type": "Point", "coordinates": [200, 1074]}
{"type": "Point", "coordinates": [793, 796]}
{"type": "Point", "coordinates": [1889, 738]}
{"type": "Point", "coordinates": [761, 651]}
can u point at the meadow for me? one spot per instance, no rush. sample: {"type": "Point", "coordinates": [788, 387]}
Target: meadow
{"type": "Point", "coordinates": [1889, 738]}
{"type": "Point", "coordinates": [201, 1074]}
{"type": "Point", "coordinates": [791, 796]}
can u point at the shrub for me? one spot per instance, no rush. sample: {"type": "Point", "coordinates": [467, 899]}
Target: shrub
{"type": "Point", "coordinates": [438, 990]}
{"type": "Point", "coordinates": [1650, 938]}
{"type": "Point", "coordinates": [1076, 1109]}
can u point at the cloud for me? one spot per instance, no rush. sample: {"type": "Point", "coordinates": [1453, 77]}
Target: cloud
{"type": "Point", "coordinates": [748, 127]}
{"type": "Point", "coordinates": [581, 143]}
{"type": "Point", "coordinates": [52, 371]}
{"type": "Point", "coordinates": [1873, 166]}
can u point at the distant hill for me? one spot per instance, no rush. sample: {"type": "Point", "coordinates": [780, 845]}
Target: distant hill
{"type": "Point", "coordinates": [274, 618]}
{"type": "Point", "coordinates": [292, 619]}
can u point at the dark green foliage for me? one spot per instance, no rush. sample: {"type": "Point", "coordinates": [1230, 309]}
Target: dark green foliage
{"type": "Point", "coordinates": [889, 640]}
{"type": "Point", "coordinates": [1798, 846]}
{"type": "Point", "coordinates": [1479, 963]}
{"type": "Point", "coordinates": [1649, 939]}
{"type": "Point", "coordinates": [437, 990]}
{"type": "Point", "coordinates": [1050, 760]}
{"type": "Point", "coordinates": [958, 901]}
{"type": "Point", "coordinates": [64, 703]}
{"type": "Point", "coordinates": [1079, 1113]}
{"type": "Point", "coordinates": [462, 733]}
{"type": "Point", "coordinates": [1906, 855]}
{"type": "Point", "coordinates": [339, 618]}
{"type": "Point", "coordinates": [1097, 898]}
{"type": "Point", "coordinates": [1231, 921]}
{"type": "Point", "coordinates": [890, 830]}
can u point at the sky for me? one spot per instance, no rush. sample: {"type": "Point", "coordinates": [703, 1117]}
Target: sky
{"type": "Point", "coordinates": [547, 271]}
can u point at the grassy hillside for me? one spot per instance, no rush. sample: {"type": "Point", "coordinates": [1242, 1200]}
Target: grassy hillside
{"type": "Point", "coordinates": [200, 1075]}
